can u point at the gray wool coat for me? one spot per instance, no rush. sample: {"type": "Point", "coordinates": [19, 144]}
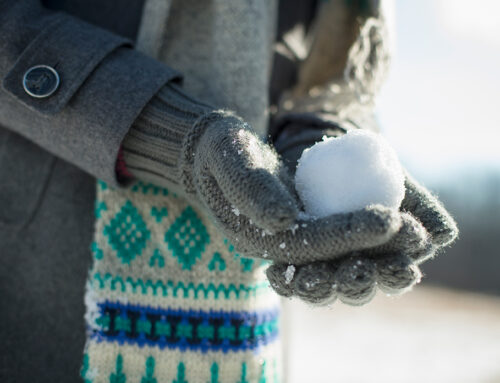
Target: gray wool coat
{"type": "Point", "coordinates": [51, 151]}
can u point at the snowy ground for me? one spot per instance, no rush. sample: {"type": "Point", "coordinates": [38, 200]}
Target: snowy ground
{"type": "Point", "coordinates": [428, 335]}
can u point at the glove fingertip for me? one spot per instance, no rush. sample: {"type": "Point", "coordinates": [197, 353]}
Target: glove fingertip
{"type": "Point", "coordinates": [275, 274]}
{"type": "Point", "coordinates": [360, 298]}
{"type": "Point", "coordinates": [412, 240]}
{"type": "Point", "coordinates": [355, 281]}
{"type": "Point", "coordinates": [446, 234]}
{"type": "Point", "coordinates": [423, 254]}
{"type": "Point", "coordinates": [313, 283]}
{"type": "Point", "coordinates": [431, 212]}
{"type": "Point", "coordinates": [383, 222]}
{"type": "Point", "coordinates": [397, 274]}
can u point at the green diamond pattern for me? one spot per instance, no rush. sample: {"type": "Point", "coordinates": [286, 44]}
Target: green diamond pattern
{"type": "Point", "coordinates": [127, 233]}
{"type": "Point", "coordinates": [187, 238]}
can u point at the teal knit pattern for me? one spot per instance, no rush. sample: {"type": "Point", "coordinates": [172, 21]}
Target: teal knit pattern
{"type": "Point", "coordinates": [170, 300]}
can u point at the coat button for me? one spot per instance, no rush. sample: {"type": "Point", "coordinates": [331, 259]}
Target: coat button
{"type": "Point", "coordinates": [41, 81]}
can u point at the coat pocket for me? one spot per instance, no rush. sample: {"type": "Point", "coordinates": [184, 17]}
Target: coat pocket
{"type": "Point", "coordinates": [24, 173]}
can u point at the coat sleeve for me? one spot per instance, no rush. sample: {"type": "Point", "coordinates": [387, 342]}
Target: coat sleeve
{"type": "Point", "coordinates": [103, 84]}
{"type": "Point", "coordinates": [340, 64]}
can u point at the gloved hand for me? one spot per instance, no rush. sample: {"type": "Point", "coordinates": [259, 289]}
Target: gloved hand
{"type": "Point", "coordinates": [216, 161]}
{"type": "Point", "coordinates": [393, 266]}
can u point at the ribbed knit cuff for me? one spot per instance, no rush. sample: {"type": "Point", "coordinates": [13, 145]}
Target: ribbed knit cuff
{"type": "Point", "coordinates": [153, 147]}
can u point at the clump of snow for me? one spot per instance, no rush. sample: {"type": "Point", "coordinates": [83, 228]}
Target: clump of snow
{"type": "Point", "coordinates": [289, 273]}
{"type": "Point", "coordinates": [312, 284]}
{"type": "Point", "coordinates": [282, 245]}
{"type": "Point", "coordinates": [356, 170]}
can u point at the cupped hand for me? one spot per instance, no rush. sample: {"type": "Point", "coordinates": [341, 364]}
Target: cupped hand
{"type": "Point", "coordinates": [426, 227]}
{"type": "Point", "coordinates": [247, 190]}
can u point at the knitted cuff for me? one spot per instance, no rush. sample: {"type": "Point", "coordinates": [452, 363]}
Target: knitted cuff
{"type": "Point", "coordinates": [153, 147]}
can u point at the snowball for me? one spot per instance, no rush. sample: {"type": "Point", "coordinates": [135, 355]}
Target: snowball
{"type": "Point", "coordinates": [348, 173]}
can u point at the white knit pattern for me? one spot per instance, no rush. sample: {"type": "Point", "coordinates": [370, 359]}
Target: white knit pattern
{"type": "Point", "coordinates": [152, 251]}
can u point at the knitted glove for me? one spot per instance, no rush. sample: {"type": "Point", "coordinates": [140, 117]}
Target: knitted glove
{"type": "Point", "coordinates": [215, 160]}
{"type": "Point", "coordinates": [393, 266]}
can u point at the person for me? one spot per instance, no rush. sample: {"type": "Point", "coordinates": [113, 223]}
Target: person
{"type": "Point", "coordinates": [193, 213]}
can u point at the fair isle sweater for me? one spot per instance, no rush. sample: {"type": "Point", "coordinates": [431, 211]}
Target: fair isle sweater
{"type": "Point", "coordinates": [169, 299]}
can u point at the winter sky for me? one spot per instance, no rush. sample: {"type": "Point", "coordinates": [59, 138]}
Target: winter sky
{"type": "Point", "coordinates": [440, 106]}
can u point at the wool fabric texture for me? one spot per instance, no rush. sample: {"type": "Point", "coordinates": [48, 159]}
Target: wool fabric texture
{"type": "Point", "coordinates": [216, 159]}
{"type": "Point", "coordinates": [153, 147]}
{"type": "Point", "coordinates": [334, 94]}
{"type": "Point", "coordinates": [169, 298]}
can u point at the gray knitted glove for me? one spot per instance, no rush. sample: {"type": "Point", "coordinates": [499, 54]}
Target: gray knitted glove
{"type": "Point", "coordinates": [393, 266]}
{"type": "Point", "coordinates": [215, 159]}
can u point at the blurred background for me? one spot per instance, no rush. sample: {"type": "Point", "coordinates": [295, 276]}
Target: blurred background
{"type": "Point", "coordinates": [440, 110]}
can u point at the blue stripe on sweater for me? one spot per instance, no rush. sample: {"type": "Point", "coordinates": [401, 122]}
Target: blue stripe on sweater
{"type": "Point", "coordinates": [194, 330]}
